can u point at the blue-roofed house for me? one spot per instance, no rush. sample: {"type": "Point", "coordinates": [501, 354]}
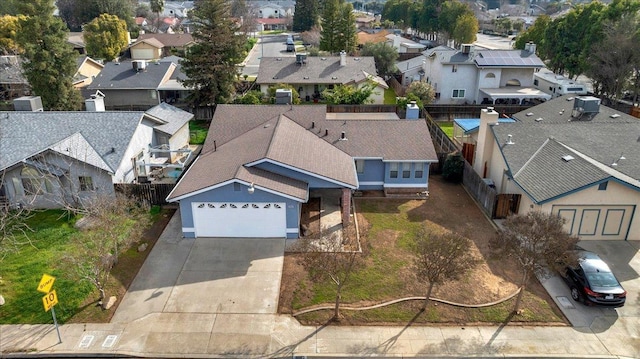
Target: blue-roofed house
{"type": "Point", "coordinates": [465, 134]}
{"type": "Point", "coordinates": [54, 159]}
{"type": "Point", "coordinates": [468, 75]}
{"type": "Point", "coordinates": [260, 165]}
{"type": "Point", "coordinates": [569, 156]}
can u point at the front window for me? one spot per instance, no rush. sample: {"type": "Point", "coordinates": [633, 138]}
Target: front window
{"type": "Point", "coordinates": [360, 166]}
{"type": "Point", "coordinates": [393, 170]}
{"type": "Point", "coordinates": [458, 93]}
{"type": "Point", "coordinates": [419, 170]}
{"type": "Point", "coordinates": [406, 170]}
{"type": "Point", "coordinates": [454, 68]}
{"type": "Point", "coordinates": [34, 182]}
{"type": "Point", "coordinates": [86, 183]}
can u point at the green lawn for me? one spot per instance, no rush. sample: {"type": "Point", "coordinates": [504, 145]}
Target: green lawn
{"type": "Point", "coordinates": [21, 272]}
{"type": "Point", "coordinates": [389, 96]}
{"type": "Point", "coordinates": [198, 132]}
{"type": "Point", "coordinates": [447, 127]}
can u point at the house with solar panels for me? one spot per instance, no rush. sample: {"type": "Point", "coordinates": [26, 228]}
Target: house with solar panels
{"type": "Point", "coordinates": [473, 76]}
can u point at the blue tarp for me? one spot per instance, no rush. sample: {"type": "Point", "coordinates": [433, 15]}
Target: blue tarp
{"type": "Point", "coordinates": [471, 125]}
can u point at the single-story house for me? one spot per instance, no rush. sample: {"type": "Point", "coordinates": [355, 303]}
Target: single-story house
{"type": "Point", "coordinates": [52, 159]}
{"type": "Point", "coordinates": [402, 44]}
{"type": "Point", "coordinates": [155, 46]}
{"type": "Point", "coordinates": [260, 164]}
{"type": "Point", "coordinates": [311, 75]}
{"type": "Point", "coordinates": [139, 84]}
{"type": "Point", "coordinates": [373, 37]}
{"type": "Point", "coordinates": [272, 23]}
{"type": "Point", "coordinates": [569, 156]}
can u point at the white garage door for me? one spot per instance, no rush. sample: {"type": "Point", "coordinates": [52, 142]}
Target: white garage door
{"type": "Point", "coordinates": [237, 219]}
{"type": "Point", "coordinates": [596, 222]}
{"type": "Point", "coordinates": [141, 54]}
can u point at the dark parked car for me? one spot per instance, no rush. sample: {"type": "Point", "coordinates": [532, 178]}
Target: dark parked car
{"type": "Point", "coordinates": [593, 283]}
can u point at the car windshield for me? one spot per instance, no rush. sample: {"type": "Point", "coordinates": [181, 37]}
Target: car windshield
{"type": "Point", "coordinates": [602, 279]}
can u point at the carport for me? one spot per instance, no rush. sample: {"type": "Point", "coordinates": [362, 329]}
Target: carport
{"type": "Point", "coordinates": [515, 94]}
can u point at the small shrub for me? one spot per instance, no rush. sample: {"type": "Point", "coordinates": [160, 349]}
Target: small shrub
{"type": "Point", "coordinates": [453, 167]}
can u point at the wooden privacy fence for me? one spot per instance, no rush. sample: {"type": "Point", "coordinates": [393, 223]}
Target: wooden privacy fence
{"type": "Point", "coordinates": [442, 143]}
{"type": "Point", "coordinates": [479, 189]}
{"type": "Point", "coordinates": [361, 108]}
{"type": "Point", "coordinates": [450, 112]}
{"type": "Point", "coordinates": [151, 193]}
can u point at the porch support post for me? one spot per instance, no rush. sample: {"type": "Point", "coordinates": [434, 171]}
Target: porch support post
{"type": "Point", "coordinates": [346, 205]}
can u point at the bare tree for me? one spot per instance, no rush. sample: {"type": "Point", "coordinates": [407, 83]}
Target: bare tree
{"type": "Point", "coordinates": [331, 259]}
{"type": "Point", "coordinates": [113, 225]}
{"type": "Point", "coordinates": [538, 242]}
{"type": "Point", "coordinates": [441, 256]}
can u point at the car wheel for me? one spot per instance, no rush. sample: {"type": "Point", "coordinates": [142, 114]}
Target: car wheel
{"type": "Point", "coordinates": [575, 294]}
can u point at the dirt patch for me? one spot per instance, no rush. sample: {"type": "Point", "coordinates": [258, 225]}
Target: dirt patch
{"type": "Point", "coordinates": [123, 273]}
{"type": "Point", "coordinates": [448, 207]}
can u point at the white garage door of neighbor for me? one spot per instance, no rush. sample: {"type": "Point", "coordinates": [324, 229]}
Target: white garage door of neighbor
{"type": "Point", "coordinates": [142, 54]}
{"type": "Point", "coordinates": [596, 222]}
{"type": "Point", "coordinates": [237, 219]}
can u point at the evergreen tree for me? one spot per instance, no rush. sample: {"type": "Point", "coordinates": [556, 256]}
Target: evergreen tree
{"type": "Point", "coordinates": [347, 26]}
{"type": "Point", "coordinates": [9, 7]}
{"type": "Point", "coordinates": [306, 15]}
{"type": "Point", "coordinates": [157, 6]}
{"type": "Point", "coordinates": [338, 27]}
{"type": "Point", "coordinates": [210, 64]}
{"type": "Point", "coordinates": [384, 55]}
{"type": "Point", "coordinates": [106, 37]}
{"type": "Point", "coordinates": [76, 13]}
{"type": "Point", "coordinates": [50, 59]}
{"type": "Point", "coordinates": [8, 32]}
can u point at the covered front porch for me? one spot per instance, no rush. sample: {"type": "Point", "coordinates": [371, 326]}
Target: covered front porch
{"type": "Point", "coordinates": [326, 213]}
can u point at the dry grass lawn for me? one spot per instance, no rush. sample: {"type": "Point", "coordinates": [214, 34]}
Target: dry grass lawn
{"type": "Point", "coordinates": [386, 228]}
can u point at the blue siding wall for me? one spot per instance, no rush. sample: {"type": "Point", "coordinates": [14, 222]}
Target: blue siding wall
{"type": "Point", "coordinates": [313, 182]}
{"type": "Point", "coordinates": [419, 181]}
{"type": "Point", "coordinates": [227, 194]}
{"type": "Point", "coordinates": [373, 176]}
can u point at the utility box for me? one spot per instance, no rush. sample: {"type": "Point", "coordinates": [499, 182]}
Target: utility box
{"type": "Point", "coordinates": [284, 97]}
{"type": "Point", "coordinates": [28, 103]}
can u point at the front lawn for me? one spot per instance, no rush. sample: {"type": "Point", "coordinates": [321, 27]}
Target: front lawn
{"type": "Point", "coordinates": [387, 227]}
{"type": "Point", "coordinates": [20, 273]}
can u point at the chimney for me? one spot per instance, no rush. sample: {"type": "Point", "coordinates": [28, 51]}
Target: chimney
{"type": "Point", "coordinates": [530, 47]}
{"type": "Point", "coordinates": [484, 145]}
{"type": "Point", "coordinates": [95, 103]}
{"type": "Point", "coordinates": [413, 111]}
{"type": "Point", "coordinates": [343, 58]}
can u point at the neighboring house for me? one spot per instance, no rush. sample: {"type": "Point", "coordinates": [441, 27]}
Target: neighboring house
{"type": "Point", "coordinates": [311, 75]}
{"type": "Point", "coordinates": [365, 37]}
{"type": "Point", "coordinates": [49, 159]}
{"type": "Point", "coordinates": [260, 164]}
{"type": "Point", "coordinates": [146, 49]}
{"type": "Point", "coordinates": [76, 39]}
{"type": "Point", "coordinates": [568, 156]}
{"type": "Point", "coordinates": [402, 44]}
{"type": "Point", "coordinates": [365, 21]}
{"type": "Point", "coordinates": [465, 130]}
{"type": "Point", "coordinates": [177, 9]}
{"type": "Point", "coordinates": [470, 75]}
{"type": "Point", "coordinates": [87, 70]}
{"type": "Point", "coordinates": [411, 70]}
{"type": "Point", "coordinates": [169, 44]}
{"type": "Point", "coordinates": [140, 84]}
{"type": "Point", "coordinates": [13, 84]}
{"type": "Point", "coordinates": [267, 24]}
{"type": "Point", "coordinates": [271, 9]}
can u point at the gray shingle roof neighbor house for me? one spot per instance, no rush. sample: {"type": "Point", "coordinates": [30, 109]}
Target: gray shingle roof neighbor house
{"type": "Point", "coordinates": [298, 137]}
{"type": "Point", "coordinates": [595, 142]}
{"type": "Point", "coordinates": [172, 118]}
{"type": "Point", "coordinates": [122, 75]}
{"type": "Point", "coordinates": [315, 70]}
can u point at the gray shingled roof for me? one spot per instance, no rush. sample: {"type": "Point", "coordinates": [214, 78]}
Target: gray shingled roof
{"type": "Point", "coordinates": [173, 117]}
{"type": "Point", "coordinates": [601, 138]}
{"type": "Point", "coordinates": [241, 134]}
{"type": "Point", "coordinates": [486, 58]}
{"type": "Point", "coordinates": [25, 134]}
{"type": "Point", "coordinates": [123, 76]}
{"type": "Point", "coordinates": [317, 70]}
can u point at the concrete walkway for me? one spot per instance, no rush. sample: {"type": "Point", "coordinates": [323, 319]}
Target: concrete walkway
{"type": "Point", "coordinates": [144, 328]}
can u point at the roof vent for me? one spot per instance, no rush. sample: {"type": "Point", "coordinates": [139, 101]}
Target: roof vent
{"type": "Point", "coordinates": [529, 113]}
{"type": "Point", "coordinates": [323, 59]}
{"type": "Point", "coordinates": [334, 77]}
{"type": "Point", "coordinates": [539, 119]}
{"type": "Point", "coordinates": [356, 59]}
{"type": "Point", "coordinates": [343, 136]}
{"type": "Point", "coordinates": [615, 115]}
{"type": "Point", "coordinates": [510, 140]}
{"type": "Point", "coordinates": [567, 158]}
{"type": "Point", "coordinates": [570, 98]}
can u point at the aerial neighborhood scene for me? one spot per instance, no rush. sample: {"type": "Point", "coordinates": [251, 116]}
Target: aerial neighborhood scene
{"type": "Point", "coordinates": [335, 178]}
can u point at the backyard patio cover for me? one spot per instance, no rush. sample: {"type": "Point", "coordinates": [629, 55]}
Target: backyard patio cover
{"type": "Point", "coordinates": [521, 93]}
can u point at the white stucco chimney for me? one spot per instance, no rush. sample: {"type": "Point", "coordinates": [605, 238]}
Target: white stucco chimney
{"type": "Point", "coordinates": [343, 58]}
{"type": "Point", "coordinates": [484, 146]}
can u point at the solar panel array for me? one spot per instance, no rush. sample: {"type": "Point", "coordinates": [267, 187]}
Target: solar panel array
{"type": "Point", "coordinates": [506, 58]}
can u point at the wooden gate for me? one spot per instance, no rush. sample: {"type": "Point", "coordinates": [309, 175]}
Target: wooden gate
{"type": "Point", "coordinates": [506, 204]}
{"type": "Point", "coordinates": [468, 150]}
{"type": "Point", "coordinates": [152, 194]}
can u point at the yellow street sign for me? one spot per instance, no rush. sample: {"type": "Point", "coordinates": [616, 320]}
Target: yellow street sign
{"type": "Point", "coordinates": [49, 300]}
{"type": "Point", "coordinates": [46, 283]}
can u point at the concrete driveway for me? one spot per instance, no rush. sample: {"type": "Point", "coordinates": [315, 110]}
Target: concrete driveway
{"type": "Point", "coordinates": [618, 329]}
{"type": "Point", "coordinates": [205, 275]}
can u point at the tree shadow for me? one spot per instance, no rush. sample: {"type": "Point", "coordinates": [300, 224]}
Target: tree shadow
{"type": "Point", "coordinates": [289, 350]}
{"type": "Point", "coordinates": [387, 345]}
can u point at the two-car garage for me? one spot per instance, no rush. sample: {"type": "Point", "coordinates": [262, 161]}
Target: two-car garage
{"type": "Point", "coordinates": [597, 222]}
{"type": "Point", "coordinates": [239, 219]}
